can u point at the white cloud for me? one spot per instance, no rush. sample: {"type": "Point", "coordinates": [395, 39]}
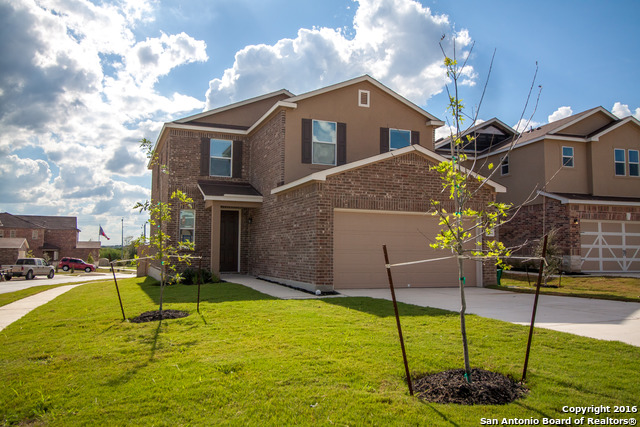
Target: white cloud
{"type": "Point", "coordinates": [623, 110]}
{"type": "Point", "coordinates": [395, 41]}
{"type": "Point", "coordinates": [560, 114]}
{"type": "Point", "coordinates": [526, 124]}
{"type": "Point", "coordinates": [76, 83]}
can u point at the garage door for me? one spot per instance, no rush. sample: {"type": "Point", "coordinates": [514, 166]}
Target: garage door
{"type": "Point", "coordinates": [359, 261]}
{"type": "Point", "coordinates": [610, 246]}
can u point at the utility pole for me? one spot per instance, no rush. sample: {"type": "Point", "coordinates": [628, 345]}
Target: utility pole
{"type": "Point", "coordinates": [122, 238]}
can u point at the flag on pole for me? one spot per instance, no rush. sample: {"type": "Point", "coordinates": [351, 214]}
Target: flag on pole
{"type": "Point", "coordinates": [102, 233]}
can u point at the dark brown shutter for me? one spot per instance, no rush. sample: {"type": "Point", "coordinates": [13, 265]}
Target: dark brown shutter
{"type": "Point", "coordinates": [306, 140]}
{"type": "Point", "coordinates": [384, 140]}
{"type": "Point", "coordinates": [205, 156]}
{"type": "Point", "coordinates": [237, 159]}
{"type": "Point", "coordinates": [415, 137]}
{"type": "Point", "coordinates": [342, 144]}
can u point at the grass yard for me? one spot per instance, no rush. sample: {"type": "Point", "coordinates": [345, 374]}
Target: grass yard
{"type": "Point", "coordinates": [250, 360]}
{"type": "Point", "coordinates": [613, 288]}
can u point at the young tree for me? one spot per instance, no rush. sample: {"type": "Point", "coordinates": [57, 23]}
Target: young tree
{"type": "Point", "coordinates": [163, 248]}
{"type": "Point", "coordinates": [464, 226]}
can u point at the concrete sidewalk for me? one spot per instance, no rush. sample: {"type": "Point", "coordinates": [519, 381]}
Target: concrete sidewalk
{"type": "Point", "coordinates": [14, 311]}
{"type": "Point", "coordinates": [594, 318]}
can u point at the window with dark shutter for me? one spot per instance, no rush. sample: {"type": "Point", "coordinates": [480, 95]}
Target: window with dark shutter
{"type": "Point", "coordinates": [237, 159]}
{"type": "Point", "coordinates": [384, 140]}
{"type": "Point", "coordinates": [342, 143]}
{"type": "Point", "coordinates": [306, 140]}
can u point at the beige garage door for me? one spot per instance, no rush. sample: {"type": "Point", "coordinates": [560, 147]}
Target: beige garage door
{"type": "Point", "coordinates": [610, 246]}
{"type": "Point", "coordinates": [359, 259]}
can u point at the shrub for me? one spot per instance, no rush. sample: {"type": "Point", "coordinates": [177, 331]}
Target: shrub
{"type": "Point", "coordinates": [190, 276]}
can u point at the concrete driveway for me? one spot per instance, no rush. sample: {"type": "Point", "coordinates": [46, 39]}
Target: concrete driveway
{"type": "Point", "coordinates": [601, 319]}
{"type": "Point", "coordinates": [594, 318]}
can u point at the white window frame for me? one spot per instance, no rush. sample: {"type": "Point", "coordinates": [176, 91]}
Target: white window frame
{"type": "Point", "coordinates": [230, 158]}
{"type": "Point", "coordinates": [504, 163]}
{"type": "Point", "coordinates": [571, 157]}
{"type": "Point", "coordinates": [623, 162]}
{"type": "Point", "coordinates": [636, 163]}
{"type": "Point", "coordinates": [34, 234]}
{"type": "Point", "coordinates": [314, 141]}
{"type": "Point", "coordinates": [366, 95]}
{"type": "Point", "coordinates": [192, 229]}
{"type": "Point", "coordinates": [12, 233]}
{"type": "Point", "coordinates": [392, 131]}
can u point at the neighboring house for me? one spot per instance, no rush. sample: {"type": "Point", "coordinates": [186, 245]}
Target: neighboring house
{"type": "Point", "coordinates": [12, 249]}
{"type": "Point", "coordinates": [304, 190]}
{"type": "Point", "coordinates": [51, 237]}
{"type": "Point", "coordinates": [584, 170]}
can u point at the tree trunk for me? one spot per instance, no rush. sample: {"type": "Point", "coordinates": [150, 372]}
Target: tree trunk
{"type": "Point", "coordinates": [463, 327]}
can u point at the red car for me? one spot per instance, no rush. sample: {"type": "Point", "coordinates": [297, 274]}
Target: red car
{"type": "Point", "coordinates": [67, 263]}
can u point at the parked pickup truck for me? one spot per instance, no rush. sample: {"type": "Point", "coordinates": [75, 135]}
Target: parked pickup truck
{"type": "Point", "coordinates": [29, 268]}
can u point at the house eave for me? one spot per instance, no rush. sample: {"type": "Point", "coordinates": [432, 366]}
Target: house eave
{"type": "Point", "coordinates": [323, 175]}
{"type": "Point", "coordinates": [569, 201]}
{"type": "Point", "coordinates": [234, 198]}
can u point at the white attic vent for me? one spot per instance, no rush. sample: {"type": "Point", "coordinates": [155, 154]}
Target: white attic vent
{"type": "Point", "coordinates": [364, 98]}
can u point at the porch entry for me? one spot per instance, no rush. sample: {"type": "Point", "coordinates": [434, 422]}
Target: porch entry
{"type": "Point", "coordinates": [229, 240]}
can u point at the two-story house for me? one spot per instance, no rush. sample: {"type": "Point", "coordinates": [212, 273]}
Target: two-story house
{"type": "Point", "coordinates": [304, 190]}
{"type": "Point", "coordinates": [579, 175]}
{"type": "Point", "coordinates": [50, 237]}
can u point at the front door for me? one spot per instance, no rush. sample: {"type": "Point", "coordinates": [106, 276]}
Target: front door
{"type": "Point", "coordinates": [229, 233]}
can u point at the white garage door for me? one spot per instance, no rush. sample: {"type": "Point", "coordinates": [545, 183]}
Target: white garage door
{"type": "Point", "coordinates": [610, 246]}
{"type": "Point", "coordinates": [359, 260]}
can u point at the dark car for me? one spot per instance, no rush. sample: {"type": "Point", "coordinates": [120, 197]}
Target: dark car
{"type": "Point", "coordinates": [67, 264]}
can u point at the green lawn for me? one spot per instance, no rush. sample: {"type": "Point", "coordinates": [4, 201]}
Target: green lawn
{"type": "Point", "coordinates": [250, 360]}
{"type": "Point", "coordinates": [602, 287]}
{"type": "Point", "coordinates": [9, 297]}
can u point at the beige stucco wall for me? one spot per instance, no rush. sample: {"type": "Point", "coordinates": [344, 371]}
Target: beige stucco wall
{"type": "Point", "coordinates": [605, 182]}
{"type": "Point", "coordinates": [363, 124]}
{"type": "Point", "coordinates": [565, 179]}
{"type": "Point", "coordinates": [526, 173]}
{"type": "Point", "coordinates": [586, 127]}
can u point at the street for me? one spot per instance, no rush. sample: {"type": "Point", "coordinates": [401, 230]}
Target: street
{"type": "Point", "coordinates": [19, 283]}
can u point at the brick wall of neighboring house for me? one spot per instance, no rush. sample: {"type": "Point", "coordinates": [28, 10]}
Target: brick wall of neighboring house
{"type": "Point", "coordinates": [27, 233]}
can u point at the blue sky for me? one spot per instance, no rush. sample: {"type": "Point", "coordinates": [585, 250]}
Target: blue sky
{"type": "Point", "coordinates": [81, 82]}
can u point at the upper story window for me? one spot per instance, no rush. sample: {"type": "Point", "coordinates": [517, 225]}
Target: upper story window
{"type": "Point", "coordinates": [364, 98]}
{"type": "Point", "coordinates": [34, 234]}
{"type": "Point", "coordinates": [399, 139]}
{"type": "Point", "coordinates": [324, 142]}
{"type": "Point", "coordinates": [619, 162]}
{"type": "Point", "coordinates": [567, 157]}
{"type": "Point", "coordinates": [634, 163]}
{"type": "Point", "coordinates": [187, 225]}
{"type": "Point", "coordinates": [12, 233]}
{"type": "Point", "coordinates": [504, 166]}
{"type": "Point", "coordinates": [220, 157]}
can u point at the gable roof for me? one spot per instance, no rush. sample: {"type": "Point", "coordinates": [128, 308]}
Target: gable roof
{"type": "Point", "coordinates": [323, 175]}
{"type": "Point", "coordinates": [8, 220]}
{"type": "Point", "coordinates": [554, 130]}
{"type": "Point", "coordinates": [14, 243]}
{"type": "Point", "coordinates": [52, 222]}
{"type": "Point", "coordinates": [187, 123]}
{"type": "Point", "coordinates": [433, 120]}
{"type": "Point", "coordinates": [481, 143]}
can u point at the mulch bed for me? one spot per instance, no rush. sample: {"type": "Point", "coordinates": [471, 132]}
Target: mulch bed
{"type": "Point", "coordinates": [153, 316]}
{"type": "Point", "coordinates": [486, 388]}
